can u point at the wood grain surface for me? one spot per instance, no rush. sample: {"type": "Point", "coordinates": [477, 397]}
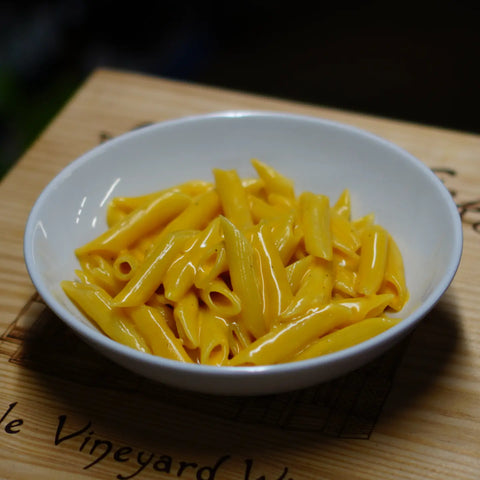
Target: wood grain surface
{"type": "Point", "coordinates": [67, 413]}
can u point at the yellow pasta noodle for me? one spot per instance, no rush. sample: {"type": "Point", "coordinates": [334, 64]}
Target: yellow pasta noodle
{"type": "Point", "coordinates": [100, 271]}
{"type": "Point", "coordinates": [239, 272]}
{"type": "Point", "coordinates": [296, 271]}
{"type": "Point", "coordinates": [138, 223]}
{"type": "Point", "coordinates": [344, 236]}
{"type": "Point", "coordinates": [211, 264]}
{"type": "Point", "coordinates": [233, 198]}
{"type": "Point", "coordinates": [260, 208]}
{"type": "Point", "coordinates": [148, 276]}
{"type": "Point", "coordinates": [151, 323]}
{"type": "Point", "coordinates": [394, 280]}
{"type": "Point", "coordinates": [185, 314]}
{"type": "Point", "coordinates": [276, 291]}
{"type": "Point", "coordinates": [343, 205]}
{"type": "Point", "coordinates": [286, 235]}
{"type": "Point", "coordinates": [214, 344]}
{"type": "Point", "coordinates": [241, 259]}
{"type": "Point", "coordinates": [284, 340]}
{"type": "Point", "coordinates": [274, 181]}
{"type": "Point", "coordinates": [125, 265]}
{"type": "Point", "coordinates": [346, 337]}
{"type": "Point", "coordinates": [373, 260]}
{"type": "Point", "coordinates": [180, 276]}
{"type": "Point", "coordinates": [192, 188]}
{"type": "Point", "coordinates": [220, 299]}
{"type": "Point", "coordinates": [96, 304]}
{"type": "Point", "coordinates": [197, 215]}
{"type": "Point", "coordinates": [238, 337]}
{"type": "Point", "coordinates": [315, 290]}
{"type": "Point", "coordinates": [365, 306]}
{"type": "Point", "coordinates": [315, 221]}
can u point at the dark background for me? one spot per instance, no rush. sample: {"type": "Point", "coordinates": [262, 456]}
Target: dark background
{"type": "Point", "coordinates": [411, 61]}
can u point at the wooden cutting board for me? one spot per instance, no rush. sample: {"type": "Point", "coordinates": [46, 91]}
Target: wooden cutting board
{"type": "Point", "coordinates": [68, 413]}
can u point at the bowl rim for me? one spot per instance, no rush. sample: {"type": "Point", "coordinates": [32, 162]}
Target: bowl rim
{"type": "Point", "coordinates": [96, 337]}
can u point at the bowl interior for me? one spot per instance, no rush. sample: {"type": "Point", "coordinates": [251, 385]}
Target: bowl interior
{"type": "Point", "coordinates": [318, 155]}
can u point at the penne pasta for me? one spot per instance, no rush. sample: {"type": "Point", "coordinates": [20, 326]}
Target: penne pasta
{"type": "Point", "coordinates": [315, 221]}
{"type": "Point", "coordinates": [286, 235]}
{"type": "Point", "coordinates": [283, 341]}
{"type": "Point", "coordinates": [345, 280]}
{"type": "Point", "coordinates": [100, 271]}
{"type": "Point", "coordinates": [315, 290]}
{"type": "Point", "coordinates": [365, 306]}
{"type": "Point", "coordinates": [394, 280]}
{"type": "Point", "coordinates": [199, 213]}
{"type": "Point", "coordinates": [260, 209]}
{"type": "Point", "coordinates": [343, 205]}
{"type": "Point", "coordinates": [233, 198]}
{"type": "Point", "coordinates": [274, 286]}
{"type": "Point", "coordinates": [185, 314]}
{"type": "Point", "coordinates": [211, 265]}
{"type": "Point", "coordinates": [116, 214]}
{"type": "Point", "coordinates": [296, 271]}
{"type": "Point", "coordinates": [241, 259]}
{"type": "Point", "coordinates": [363, 222]}
{"type": "Point", "coordinates": [238, 338]}
{"type": "Point", "coordinates": [344, 236]}
{"type": "Point", "coordinates": [148, 276]}
{"type": "Point", "coordinates": [154, 327]}
{"type": "Point", "coordinates": [97, 305]}
{"type": "Point", "coordinates": [254, 186]}
{"type": "Point", "coordinates": [214, 344]}
{"type": "Point", "coordinates": [239, 271]}
{"type": "Point", "coordinates": [137, 224]}
{"type": "Point", "coordinates": [346, 337]}
{"type": "Point", "coordinates": [275, 183]}
{"type": "Point", "coordinates": [180, 275]}
{"type": "Point", "coordinates": [283, 201]}
{"type": "Point", "coordinates": [204, 208]}
{"type": "Point", "coordinates": [125, 265]}
{"type": "Point", "coordinates": [158, 299]}
{"type": "Point", "coordinates": [220, 299]}
{"type": "Point", "coordinates": [192, 188]}
{"type": "Point", "coordinates": [373, 260]}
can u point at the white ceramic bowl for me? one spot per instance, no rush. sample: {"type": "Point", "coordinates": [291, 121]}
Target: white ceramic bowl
{"type": "Point", "coordinates": [321, 156]}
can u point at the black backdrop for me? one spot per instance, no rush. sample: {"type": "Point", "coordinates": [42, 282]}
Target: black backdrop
{"type": "Point", "coordinates": [413, 61]}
